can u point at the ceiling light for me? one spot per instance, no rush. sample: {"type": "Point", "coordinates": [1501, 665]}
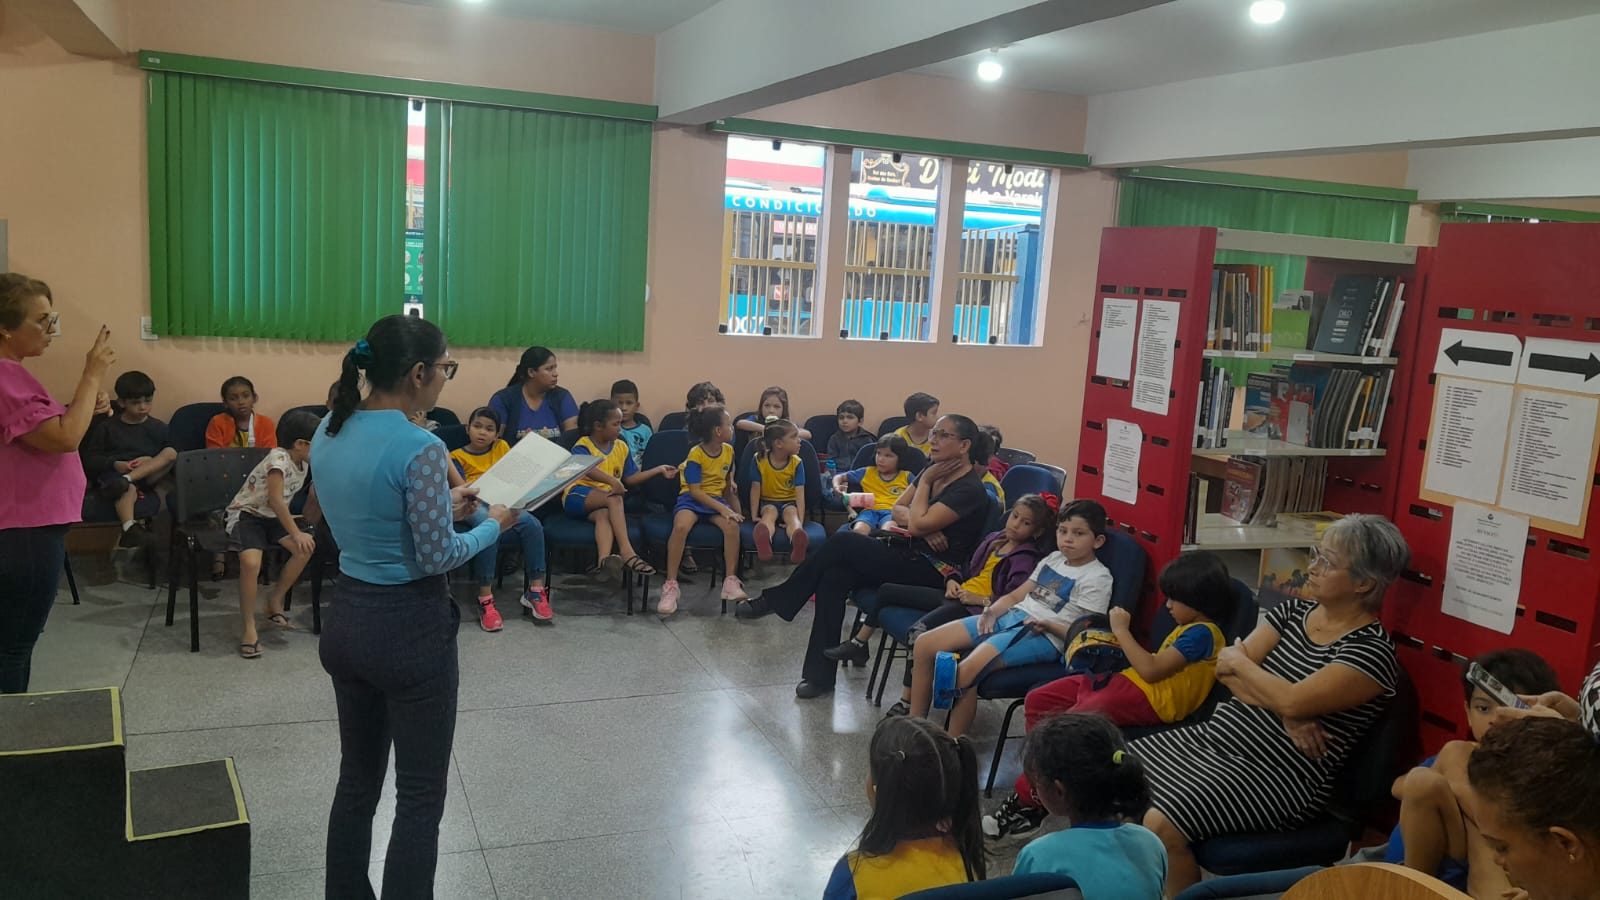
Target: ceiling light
{"type": "Point", "coordinates": [1266, 12]}
{"type": "Point", "coordinates": [990, 69]}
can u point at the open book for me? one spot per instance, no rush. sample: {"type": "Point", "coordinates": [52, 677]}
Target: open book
{"type": "Point", "coordinates": [535, 470]}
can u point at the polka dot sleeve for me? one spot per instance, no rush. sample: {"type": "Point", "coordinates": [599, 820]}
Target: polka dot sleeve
{"type": "Point", "coordinates": [427, 495]}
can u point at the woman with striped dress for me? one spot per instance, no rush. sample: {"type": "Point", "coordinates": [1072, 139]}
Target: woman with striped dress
{"type": "Point", "coordinates": [1307, 684]}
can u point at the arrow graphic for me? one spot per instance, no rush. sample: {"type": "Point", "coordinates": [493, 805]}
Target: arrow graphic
{"type": "Point", "coordinates": [1588, 368]}
{"type": "Point", "coordinates": [1459, 353]}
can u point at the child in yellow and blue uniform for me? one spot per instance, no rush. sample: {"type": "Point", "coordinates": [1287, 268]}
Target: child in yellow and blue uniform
{"type": "Point", "coordinates": [886, 479]}
{"type": "Point", "coordinates": [777, 490]}
{"type": "Point", "coordinates": [923, 832]}
{"type": "Point", "coordinates": [706, 494]}
{"type": "Point", "coordinates": [923, 410]}
{"type": "Point", "coordinates": [597, 496]}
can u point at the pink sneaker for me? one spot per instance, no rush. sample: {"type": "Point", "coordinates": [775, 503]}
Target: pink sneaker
{"type": "Point", "coordinates": [763, 536]}
{"type": "Point", "coordinates": [732, 589]}
{"type": "Point", "coordinates": [668, 604]}
{"type": "Point", "coordinates": [797, 546]}
{"type": "Point", "coordinates": [537, 601]}
{"type": "Point", "coordinates": [490, 618]}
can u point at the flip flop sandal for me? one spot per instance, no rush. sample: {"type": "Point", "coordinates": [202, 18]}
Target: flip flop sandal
{"type": "Point", "coordinates": [281, 620]}
{"type": "Point", "coordinates": [250, 651]}
{"type": "Point", "coordinates": [638, 566]}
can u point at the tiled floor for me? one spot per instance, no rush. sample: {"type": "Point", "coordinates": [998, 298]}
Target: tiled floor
{"type": "Point", "coordinates": [605, 756]}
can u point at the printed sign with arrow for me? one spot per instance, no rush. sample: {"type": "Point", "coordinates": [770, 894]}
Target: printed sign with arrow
{"type": "Point", "coordinates": [1562, 365]}
{"type": "Point", "coordinates": [1487, 355]}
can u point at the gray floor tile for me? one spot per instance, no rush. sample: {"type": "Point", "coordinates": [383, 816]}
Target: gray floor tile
{"type": "Point", "coordinates": [460, 876]}
{"type": "Point", "coordinates": [609, 766]}
{"type": "Point", "coordinates": [288, 774]}
{"type": "Point", "coordinates": [94, 643]}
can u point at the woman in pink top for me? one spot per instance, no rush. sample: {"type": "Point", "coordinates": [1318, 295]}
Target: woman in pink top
{"type": "Point", "coordinates": [41, 490]}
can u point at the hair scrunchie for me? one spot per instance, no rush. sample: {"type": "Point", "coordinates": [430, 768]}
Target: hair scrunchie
{"type": "Point", "coordinates": [361, 354]}
{"type": "Point", "coordinates": [1052, 501]}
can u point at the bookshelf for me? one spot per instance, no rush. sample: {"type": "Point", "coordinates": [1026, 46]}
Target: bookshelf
{"type": "Point", "coordinates": [1243, 443]}
{"type": "Point", "coordinates": [1302, 356]}
{"type": "Point", "coordinates": [1219, 534]}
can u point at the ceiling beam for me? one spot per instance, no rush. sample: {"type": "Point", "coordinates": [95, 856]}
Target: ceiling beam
{"type": "Point", "coordinates": [97, 28]}
{"type": "Point", "coordinates": [1569, 168]}
{"type": "Point", "coordinates": [741, 55]}
{"type": "Point", "coordinates": [1519, 84]}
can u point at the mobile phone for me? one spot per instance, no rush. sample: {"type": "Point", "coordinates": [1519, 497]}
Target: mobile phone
{"type": "Point", "coordinates": [1479, 677]}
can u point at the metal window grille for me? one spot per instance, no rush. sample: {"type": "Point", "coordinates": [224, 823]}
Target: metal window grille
{"type": "Point", "coordinates": [888, 280]}
{"type": "Point", "coordinates": [770, 271]}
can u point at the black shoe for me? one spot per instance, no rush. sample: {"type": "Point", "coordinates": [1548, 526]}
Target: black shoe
{"type": "Point", "coordinates": [810, 690]}
{"type": "Point", "coordinates": [754, 608]}
{"type": "Point", "coordinates": [135, 537]}
{"type": "Point", "coordinates": [1013, 819]}
{"type": "Point", "coordinates": [851, 651]}
{"type": "Point", "coordinates": [900, 708]}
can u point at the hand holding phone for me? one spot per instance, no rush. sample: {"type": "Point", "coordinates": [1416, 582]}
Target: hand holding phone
{"type": "Point", "coordinates": [1480, 678]}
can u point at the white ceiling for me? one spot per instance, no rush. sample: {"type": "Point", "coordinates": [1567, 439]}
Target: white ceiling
{"type": "Point", "coordinates": [1198, 38]}
{"type": "Point", "coordinates": [638, 16]}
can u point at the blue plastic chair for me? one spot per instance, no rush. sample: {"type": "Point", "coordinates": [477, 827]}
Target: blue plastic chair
{"type": "Point", "coordinates": [574, 538]}
{"type": "Point", "coordinates": [1028, 478]}
{"type": "Point", "coordinates": [671, 448]}
{"type": "Point", "coordinates": [822, 428]}
{"type": "Point", "coordinates": [187, 428]}
{"type": "Point", "coordinates": [1239, 624]}
{"type": "Point", "coordinates": [815, 533]}
{"type": "Point", "coordinates": [674, 421]}
{"type": "Point", "coordinates": [1038, 885]}
{"type": "Point", "coordinates": [867, 456]}
{"type": "Point", "coordinates": [890, 424]}
{"type": "Point", "coordinates": [1015, 456]}
{"type": "Point", "coordinates": [1254, 886]}
{"type": "Point", "coordinates": [443, 416]}
{"type": "Point", "coordinates": [316, 409]}
{"type": "Point", "coordinates": [454, 436]}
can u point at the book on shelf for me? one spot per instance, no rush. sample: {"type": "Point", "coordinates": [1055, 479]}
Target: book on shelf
{"type": "Point", "coordinates": [1241, 488]}
{"type": "Point", "coordinates": [1239, 316]}
{"type": "Point", "coordinates": [1215, 406]}
{"type": "Point", "coordinates": [1262, 391]}
{"type": "Point", "coordinates": [1314, 522]}
{"type": "Point", "coordinates": [1257, 490]}
{"type": "Point", "coordinates": [1361, 317]}
{"type": "Point", "coordinates": [1336, 407]}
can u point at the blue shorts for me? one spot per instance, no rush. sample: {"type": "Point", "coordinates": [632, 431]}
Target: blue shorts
{"type": "Point", "coordinates": [1024, 650]}
{"type": "Point", "coordinates": [576, 498]}
{"type": "Point", "coordinates": [781, 505]}
{"type": "Point", "coordinates": [686, 501]}
{"type": "Point", "coordinates": [877, 518]}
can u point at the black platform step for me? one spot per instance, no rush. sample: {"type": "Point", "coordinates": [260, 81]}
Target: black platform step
{"type": "Point", "coordinates": [188, 833]}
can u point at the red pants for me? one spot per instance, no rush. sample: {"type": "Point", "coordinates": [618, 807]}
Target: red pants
{"type": "Point", "coordinates": [1120, 700]}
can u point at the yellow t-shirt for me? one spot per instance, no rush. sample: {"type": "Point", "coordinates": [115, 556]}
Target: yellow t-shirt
{"type": "Point", "coordinates": [993, 484]}
{"type": "Point", "coordinates": [905, 432]}
{"type": "Point", "coordinates": [886, 490]}
{"type": "Point", "coordinates": [616, 462]}
{"type": "Point", "coordinates": [1181, 693]}
{"type": "Point", "coordinates": [473, 465]}
{"type": "Point", "coordinates": [778, 485]}
{"type": "Point", "coordinates": [712, 472]}
{"type": "Point", "coordinates": [910, 867]}
{"type": "Point", "coordinates": [983, 582]}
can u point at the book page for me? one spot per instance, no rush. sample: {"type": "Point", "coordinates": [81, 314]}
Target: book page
{"type": "Point", "coordinates": [508, 481]}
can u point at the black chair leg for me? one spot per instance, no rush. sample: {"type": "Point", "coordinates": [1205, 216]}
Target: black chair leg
{"type": "Point", "coordinates": [194, 605]}
{"type": "Point", "coordinates": [174, 554]}
{"type": "Point", "coordinates": [894, 653]}
{"type": "Point", "coordinates": [883, 646]}
{"type": "Point", "coordinates": [72, 583]}
{"type": "Point", "coordinates": [1000, 746]}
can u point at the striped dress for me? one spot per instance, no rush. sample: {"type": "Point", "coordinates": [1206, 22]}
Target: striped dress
{"type": "Point", "coordinates": [1239, 771]}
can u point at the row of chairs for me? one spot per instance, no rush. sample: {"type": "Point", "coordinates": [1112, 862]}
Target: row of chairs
{"type": "Point", "coordinates": [1340, 883]}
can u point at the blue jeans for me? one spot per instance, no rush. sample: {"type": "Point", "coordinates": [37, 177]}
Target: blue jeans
{"type": "Point", "coordinates": [30, 569]}
{"type": "Point", "coordinates": [527, 532]}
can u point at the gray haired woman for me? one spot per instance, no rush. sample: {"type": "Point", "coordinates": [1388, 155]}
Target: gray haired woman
{"type": "Point", "coordinates": [1307, 684]}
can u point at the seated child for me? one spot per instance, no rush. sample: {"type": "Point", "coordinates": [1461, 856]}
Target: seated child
{"type": "Point", "coordinates": [1165, 686]}
{"type": "Point", "coordinates": [778, 490]}
{"type": "Point", "coordinates": [485, 448]}
{"type": "Point", "coordinates": [1026, 626]}
{"type": "Point", "coordinates": [625, 394]}
{"type": "Point", "coordinates": [886, 479]}
{"type": "Point", "coordinates": [774, 405]}
{"type": "Point", "coordinates": [923, 831]}
{"type": "Point", "coordinates": [1436, 833]}
{"type": "Point", "coordinates": [258, 519]}
{"type": "Point", "coordinates": [703, 395]}
{"type": "Point", "coordinates": [1002, 561]}
{"type": "Point", "coordinates": [997, 466]}
{"type": "Point", "coordinates": [844, 444]}
{"type": "Point", "coordinates": [1085, 773]}
{"type": "Point", "coordinates": [923, 410]}
{"type": "Point", "coordinates": [597, 497]}
{"type": "Point", "coordinates": [128, 452]}
{"type": "Point", "coordinates": [240, 425]}
{"type": "Point", "coordinates": [707, 493]}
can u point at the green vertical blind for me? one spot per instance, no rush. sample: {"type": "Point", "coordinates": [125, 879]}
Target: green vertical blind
{"type": "Point", "coordinates": [275, 211]}
{"type": "Point", "coordinates": [542, 227]}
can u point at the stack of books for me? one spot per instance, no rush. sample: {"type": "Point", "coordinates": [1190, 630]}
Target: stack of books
{"type": "Point", "coordinates": [1360, 317]}
{"type": "Point", "coordinates": [1258, 489]}
{"type": "Point", "coordinates": [1215, 408]}
{"type": "Point", "coordinates": [1241, 311]}
{"type": "Point", "coordinates": [1332, 407]}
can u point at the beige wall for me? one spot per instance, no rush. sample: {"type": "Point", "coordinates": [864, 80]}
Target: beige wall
{"type": "Point", "coordinates": [1378, 169]}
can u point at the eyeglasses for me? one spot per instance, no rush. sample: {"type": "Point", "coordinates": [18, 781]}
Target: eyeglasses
{"type": "Point", "coordinates": [1320, 559]}
{"type": "Point", "coordinates": [449, 368]}
{"type": "Point", "coordinates": [944, 435]}
{"type": "Point", "coordinates": [50, 324]}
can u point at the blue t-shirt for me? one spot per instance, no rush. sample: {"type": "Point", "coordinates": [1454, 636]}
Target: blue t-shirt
{"type": "Point", "coordinates": [1451, 871]}
{"type": "Point", "coordinates": [637, 437]}
{"type": "Point", "coordinates": [556, 407]}
{"type": "Point", "coordinates": [1194, 644]}
{"type": "Point", "coordinates": [1109, 862]}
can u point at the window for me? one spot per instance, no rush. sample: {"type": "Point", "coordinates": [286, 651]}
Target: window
{"type": "Point", "coordinates": [772, 210]}
{"type": "Point", "coordinates": [889, 251]}
{"type": "Point", "coordinates": [1002, 245]}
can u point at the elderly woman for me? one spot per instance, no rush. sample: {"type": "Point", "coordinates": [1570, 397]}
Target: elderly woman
{"type": "Point", "coordinates": [944, 513]}
{"type": "Point", "coordinates": [41, 488]}
{"type": "Point", "coordinates": [1534, 784]}
{"type": "Point", "coordinates": [1307, 684]}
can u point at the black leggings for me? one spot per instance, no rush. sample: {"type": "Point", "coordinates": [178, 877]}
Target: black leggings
{"type": "Point", "coordinates": [847, 562]}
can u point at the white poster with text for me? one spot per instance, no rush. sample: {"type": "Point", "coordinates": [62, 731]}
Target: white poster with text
{"type": "Point", "coordinates": [1115, 360]}
{"type": "Point", "coordinates": [1467, 438]}
{"type": "Point", "coordinates": [1550, 466]}
{"type": "Point", "coordinates": [1158, 340]}
{"type": "Point", "coordinates": [1483, 574]}
{"type": "Point", "coordinates": [1119, 475]}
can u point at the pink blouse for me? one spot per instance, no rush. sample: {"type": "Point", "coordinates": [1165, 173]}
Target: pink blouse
{"type": "Point", "coordinates": [36, 488]}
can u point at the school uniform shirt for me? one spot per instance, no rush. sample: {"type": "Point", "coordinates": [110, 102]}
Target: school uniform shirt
{"type": "Point", "coordinates": [254, 496]}
{"type": "Point", "coordinates": [778, 484]}
{"type": "Point", "coordinates": [1109, 862]}
{"type": "Point", "coordinates": [911, 866]}
{"type": "Point", "coordinates": [637, 436]}
{"type": "Point", "coordinates": [905, 432]}
{"type": "Point", "coordinates": [710, 472]}
{"type": "Point", "coordinates": [223, 431]}
{"type": "Point", "coordinates": [1065, 593]}
{"type": "Point", "coordinates": [615, 461]}
{"type": "Point", "coordinates": [983, 582]}
{"type": "Point", "coordinates": [992, 485]}
{"type": "Point", "coordinates": [1181, 693]}
{"type": "Point", "coordinates": [473, 465]}
{"type": "Point", "coordinates": [887, 490]}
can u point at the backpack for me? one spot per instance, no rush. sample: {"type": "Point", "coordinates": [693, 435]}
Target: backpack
{"type": "Point", "coordinates": [1092, 648]}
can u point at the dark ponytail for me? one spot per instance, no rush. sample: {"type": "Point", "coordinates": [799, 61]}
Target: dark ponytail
{"type": "Point", "coordinates": [532, 358]}
{"type": "Point", "coordinates": [1087, 755]}
{"type": "Point", "coordinates": [925, 783]}
{"type": "Point", "coordinates": [392, 346]}
{"type": "Point", "coordinates": [701, 422]}
{"type": "Point", "coordinates": [966, 820]}
{"type": "Point", "coordinates": [593, 413]}
{"type": "Point", "coordinates": [775, 431]}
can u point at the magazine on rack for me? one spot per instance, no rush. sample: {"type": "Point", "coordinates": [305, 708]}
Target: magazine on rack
{"type": "Point", "coordinates": [535, 470]}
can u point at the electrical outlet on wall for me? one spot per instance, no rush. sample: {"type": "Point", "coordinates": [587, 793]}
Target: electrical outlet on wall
{"type": "Point", "coordinates": [146, 330]}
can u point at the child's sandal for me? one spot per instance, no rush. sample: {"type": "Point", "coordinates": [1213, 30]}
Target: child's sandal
{"type": "Point", "coordinates": [250, 651]}
{"type": "Point", "coordinates": [638, 566]}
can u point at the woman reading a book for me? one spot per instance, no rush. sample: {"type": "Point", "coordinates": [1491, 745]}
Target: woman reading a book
{"type": "Point", "coordinates": [390, 640]}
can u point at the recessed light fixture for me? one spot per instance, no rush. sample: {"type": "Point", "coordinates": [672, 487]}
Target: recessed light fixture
{"type": "Point", "coordinates": [990, 69]}
{"type": "Point", "coordinates": [1266, 12]}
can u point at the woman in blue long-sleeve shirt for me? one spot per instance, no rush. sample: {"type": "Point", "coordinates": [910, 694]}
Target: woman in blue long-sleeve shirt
{"type": "Point", "coordinates": [390, 639]}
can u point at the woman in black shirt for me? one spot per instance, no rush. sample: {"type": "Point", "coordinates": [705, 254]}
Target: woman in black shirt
{"type": "Point", "coordinates": [944, 512]}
